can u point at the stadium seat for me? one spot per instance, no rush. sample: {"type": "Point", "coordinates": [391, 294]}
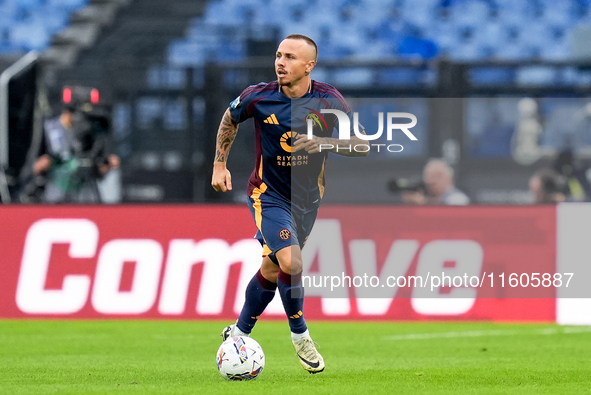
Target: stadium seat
{"type": "Point", "coordinates": [535, 75]}
{"type": "Point", "coordinates": [30, 36]}
{"type": "Point", "coordinates": [53, 19]}
{"type": "Point", "coordinates": [8, 47]}
{"type": "Point", "coordinates": [28, 4]}
{"type": "Point", "coordinates": [29, 24]}
{"type": "Point", "coordinates": [166, 77]}
{"type": "Point", "coordinates": [358, 76]}
{"type": "Point", "coordinates": [494, 142]}
{"type": "Point", "coordinates": [181, 53]}
{"type": "Point", "coordinates": [67, 4]}
{"type": "Point", "coordinates": [230, 52]}
{"type": "Point", "coordinates": [416, 47]}
{"type": "Point", "coordinates": [564, 126]}
{"type": "Point", "coordinates": [491, 75]}
{"type": "Point", "coordinates": [462, 29]}
{"type": "Point", "coordinates": [400, 77]}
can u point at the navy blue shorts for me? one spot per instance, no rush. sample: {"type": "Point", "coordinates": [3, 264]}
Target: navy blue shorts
{"type": "Point", "coordinates": [278, 226]}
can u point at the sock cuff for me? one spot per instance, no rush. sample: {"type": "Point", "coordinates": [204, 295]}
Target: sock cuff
{"type": "Point", "coordinates": [268, 285]}
{"type": "Point", "coordinates": [290, 279]}
{"type": "Point", "coordinates": [298, 335]}
{"type": "Point", "coordinates": [240, 332]}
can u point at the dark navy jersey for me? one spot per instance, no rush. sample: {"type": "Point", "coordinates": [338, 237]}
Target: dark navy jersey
{"type": "Point", "coordinates": [296, 178]}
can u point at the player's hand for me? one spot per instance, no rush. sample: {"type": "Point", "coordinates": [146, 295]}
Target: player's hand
{"type": "Point", "coordinates": [312, 146]}
{"type": "Point", "coordinates": [42, 165]}
{"type": "Point", "coordinates": [112, 162]}
{"type": "Point", "coordinates": [221, 180]}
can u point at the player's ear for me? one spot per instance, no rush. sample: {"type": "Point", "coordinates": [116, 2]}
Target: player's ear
{"type": "Point", "coordinates": [310, 66]}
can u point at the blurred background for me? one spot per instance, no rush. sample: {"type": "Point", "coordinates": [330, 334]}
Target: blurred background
{"type": "Point", "coordinates": [500, 89]}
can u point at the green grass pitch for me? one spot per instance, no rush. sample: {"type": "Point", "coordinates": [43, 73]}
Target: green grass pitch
{"type": "Point", "coordinates": [167, 357]}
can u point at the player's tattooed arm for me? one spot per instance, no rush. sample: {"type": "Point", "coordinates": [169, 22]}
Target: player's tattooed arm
{"type": "Point", "coordinates": [226, 135]}
{"type": "Point", "coordinates": [331, 144]}
{"type": "Point", "coordinates": [221, 179]}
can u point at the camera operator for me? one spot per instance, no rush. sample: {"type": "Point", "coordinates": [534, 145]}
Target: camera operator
{"type": "Point", "coordinates": [438, 177]}
{"type": "Point", "coordinates": [64, 158]}
{"type": "Point", "coordinates": [548, 187]}
{"type": "Point", "coordinates": [412, 191]}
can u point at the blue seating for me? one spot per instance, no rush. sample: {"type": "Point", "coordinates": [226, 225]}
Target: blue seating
{"type": "Point", "coordinates": [401, 77]}
{"type": "Point", "coordinates": [8, 47]}
{"type": "Point", "coordinates": [29, 36]}
{"type": "Point", "coordinates": [54, 19]}
{"type": "Point", "coordinates": [463, 30]}
{"type": "Point", "coordinates": [494, 142]}
{"type": "Point", "coordinates": [413, 46]}
{"type": "Point", "coordinates": [67, 4]}
{"type": "Point", "coordinates": [491, 76]}
{"type": "Point", "coordinates": [28, 4]}
{"type": "Point", "coordinates": [354, 76]}
{"type": "Point", "coordinates": [490, 124]}
{"type": "Point", "coordinates": [29, 24]}
{"type": "Point", "coordinates": [564, 125]}
{"type": "Point", "coordinates": [182, 53]}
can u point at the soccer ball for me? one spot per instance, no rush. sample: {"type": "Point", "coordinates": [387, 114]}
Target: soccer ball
{"type": "Point", "coordinates": [240, 358]}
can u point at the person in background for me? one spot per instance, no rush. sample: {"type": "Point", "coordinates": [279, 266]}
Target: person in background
{"type": "Point", "coordinates": [548, 187]}
{"type": "Point", "coordinates": [414, 196]}
{"type": "Point", "coordinates": [438, 177]}
{"type": "Point", "coordinates": [56, 162]}
{"type": "Point", "coordinates": [577, 186]}
{"type": "Point", "coordinates": [411, 190]}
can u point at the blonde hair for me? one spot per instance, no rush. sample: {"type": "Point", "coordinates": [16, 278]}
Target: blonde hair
{"type": "Point", "coordinates": [306, 39]}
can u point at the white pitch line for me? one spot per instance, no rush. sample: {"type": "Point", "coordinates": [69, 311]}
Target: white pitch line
{"type": "Point", "coordinates": [445, 335]}
{"type": "Point", "coordinates": [577, 329]}
{"type": "Point", "coordinates": [497, 332]}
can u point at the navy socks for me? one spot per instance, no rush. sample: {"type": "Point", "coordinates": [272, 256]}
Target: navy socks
{"type": "Point", "coordinates": [259, 293]}
{"type": "Point", "coordinates": [292, 295]}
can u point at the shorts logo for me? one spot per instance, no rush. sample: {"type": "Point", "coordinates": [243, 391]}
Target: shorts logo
{"type": "Point", "coordinates": [284, 234]}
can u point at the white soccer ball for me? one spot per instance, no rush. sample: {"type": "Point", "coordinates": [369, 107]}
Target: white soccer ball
{"type": "Point", "coordinates": [240, 358]}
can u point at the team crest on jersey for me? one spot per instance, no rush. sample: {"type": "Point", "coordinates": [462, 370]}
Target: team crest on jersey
{"type": "Point", "coordinates": [316, 118]}
{"type": "Point", "coordinates": [235, 103]}
{"type": "Point", "coordinates": [284, 234]}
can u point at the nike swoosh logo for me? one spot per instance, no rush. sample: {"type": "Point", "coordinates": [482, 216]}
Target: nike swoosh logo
{"type": "Point", "coordinates": [314, 364]}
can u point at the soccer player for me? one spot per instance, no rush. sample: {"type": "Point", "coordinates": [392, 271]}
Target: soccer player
{"type": "Point", "coordinates": [286, 186]}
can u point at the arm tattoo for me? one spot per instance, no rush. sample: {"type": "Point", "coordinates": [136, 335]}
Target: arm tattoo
{"type": "Point", "coordinates": [226, 134]}
{"type": "Point", "coordinates": [345, 147]}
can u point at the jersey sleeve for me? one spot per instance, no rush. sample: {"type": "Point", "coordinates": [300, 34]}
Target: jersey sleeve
{"type": "Point", "coordinates": [338, 102]}
{"type": "Point", "coordinates": [240, 108]}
